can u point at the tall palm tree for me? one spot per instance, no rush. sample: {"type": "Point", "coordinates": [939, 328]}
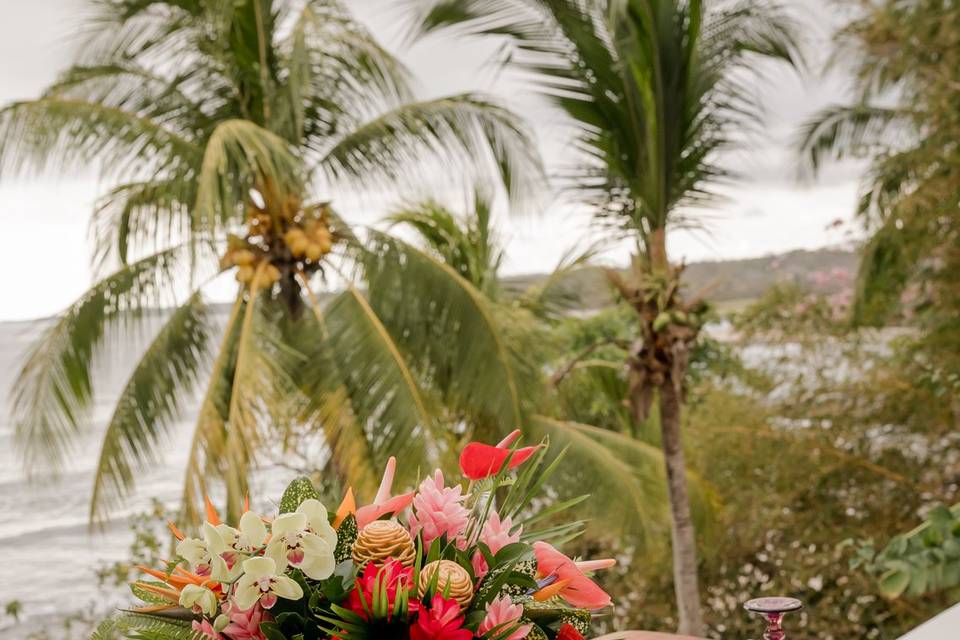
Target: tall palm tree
{"type": "Point", "coordinates": [658, 89]}
{"type": "Point", "coordinates": [223, 127]}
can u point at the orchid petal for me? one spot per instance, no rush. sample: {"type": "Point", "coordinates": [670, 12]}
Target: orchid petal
{"type": "Point", "coordinates": [288, 588]}
{"type": "Point", "coordinates": [259, 568]}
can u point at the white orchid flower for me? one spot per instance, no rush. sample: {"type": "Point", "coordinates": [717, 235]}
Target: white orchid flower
{"type": "Point", "coordinates": [228, 546]}
{"type": "Point", "coordinates": [317, 521]}
{"type": "Point", "coordinates": [261, 583]}
{"type": "Point", "coordinates": [197, 553]}
{"type": "Point", "coordinates": [294, 543]}
{"type": "Point", "coordinates": [199, 599]}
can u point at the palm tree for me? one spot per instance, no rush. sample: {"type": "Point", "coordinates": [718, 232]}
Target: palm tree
{"type": "Point", "coordinates": [901, 119]}
{"type": "Point", "coordinates": [658, 90]}
{"type": "Point", "coordinates": [216, 123]}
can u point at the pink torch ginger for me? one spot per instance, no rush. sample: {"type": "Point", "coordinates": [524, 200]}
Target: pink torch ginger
{"type": "Point", "coordinates": [438, 511]}
{"type": "Point", "coordinates": [503, 614]}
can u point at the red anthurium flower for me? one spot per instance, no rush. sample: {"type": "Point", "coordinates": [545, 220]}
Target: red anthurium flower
{"type": "Point", "coordinates": [442, 621]}
{"type": "Point", "coordinates": [384, 503]}
{"type": "Point", "coordinates": [479, 460]}
{"type": "Point", "coordinates": [569, 632]}
{"type": "Point", "coordinates": [571, 583]}
{"type": "Point", "coordinates": [391, 573]}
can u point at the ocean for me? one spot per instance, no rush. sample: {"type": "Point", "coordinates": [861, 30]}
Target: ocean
{"type": "Point", "coordinates": [48, 553]}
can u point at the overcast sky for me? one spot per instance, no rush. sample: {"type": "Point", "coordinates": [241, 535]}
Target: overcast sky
{"type": "Point", "coordinates": [44, 263]}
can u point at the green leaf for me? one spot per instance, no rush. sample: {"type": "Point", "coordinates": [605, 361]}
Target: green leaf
{"type": "Point", "coordinates": [894, 582]}
{"type": "Point", "coordinates": [297, 491]}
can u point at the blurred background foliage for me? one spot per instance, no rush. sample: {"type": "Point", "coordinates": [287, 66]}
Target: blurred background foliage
{"type": "Point", "coordinates": [822, 425]}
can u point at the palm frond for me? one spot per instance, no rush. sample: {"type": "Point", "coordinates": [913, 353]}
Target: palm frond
{"type": "Point", "coordinates": [133, 88]}
{"type": "Point", "coordinates": [207, 446]}
{"type": "Point", "coordinates": [65, 134]}
{"type": "Point", "coordinates": [467, 244]}
{"type": "Point", "coordinates": [139, 216]}
{"type": "Point", "coordinates": [54, 388]}
{"type": "Point", "coordinates": [550, 297]}
{"type": "Point", "coordinates": [465, 133]}
{"type": "Point", "coordinates": [150, 402]}
{"type": "Point", "coordinates": [627, 479]}
{"type": "Point", "coordinates": [384, 396]}
{"type": "Point", "coordinates": [239, 156]}
{"type": "Point", "coordinates": [842, 131]}
{"type": "Point", "coordinates": [135, 626]}
{"type": "Point", "coordinates": [446, 328]}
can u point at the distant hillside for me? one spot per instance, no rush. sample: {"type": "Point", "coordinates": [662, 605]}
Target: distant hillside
{"type": "Point", "coordinates": [729, 281]}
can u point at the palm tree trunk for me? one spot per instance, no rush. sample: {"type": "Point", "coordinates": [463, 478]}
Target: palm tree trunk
{"type": "Point", "coordinates": [684, 541]}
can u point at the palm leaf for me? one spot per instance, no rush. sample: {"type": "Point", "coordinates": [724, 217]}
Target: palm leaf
{"type": "Point", "coordinates": [383, 394]}
{"type": "Point", "coordinates": [54, 387]}
{"type": "Point", "coordinates": [58, 133]}
{"type": "Point", "coordinates": [840, 131]}
{"type": "Point", "coordinates": [627, 479]}
{"type": "Point", "coordinates": [150, 402]}
{"type": "Point", "coordinates": [240, 155]}
{"type": "Point", "coordinates": [467, 134]}
{"type": "Point", "coordinates": [447, 329]}
{"type": "Point", "coordinates": [207, 445]}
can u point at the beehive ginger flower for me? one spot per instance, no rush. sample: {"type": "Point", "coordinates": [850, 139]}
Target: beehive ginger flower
{"type": "Point", "coordinates": [262, 583]}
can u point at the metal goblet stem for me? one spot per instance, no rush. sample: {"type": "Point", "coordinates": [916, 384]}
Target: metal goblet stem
{"type": "Point", "coordinates": [773, 609]}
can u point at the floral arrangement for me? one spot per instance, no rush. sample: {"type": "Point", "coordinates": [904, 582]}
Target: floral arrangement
{"type": "Point", "coordinates": [443, 562]}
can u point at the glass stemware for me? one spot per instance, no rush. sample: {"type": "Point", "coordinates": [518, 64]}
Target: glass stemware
{"type": "Point", "coordinates": [773, 610]}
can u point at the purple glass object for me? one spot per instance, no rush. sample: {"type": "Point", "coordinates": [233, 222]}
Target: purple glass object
{"type": "Point", "coordinates": [772, 609]}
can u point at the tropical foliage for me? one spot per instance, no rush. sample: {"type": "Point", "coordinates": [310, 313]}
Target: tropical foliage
{"type": "Point", "coordinates": [656, 90]}
{"type": "Point", "coordinates": [224, 128]}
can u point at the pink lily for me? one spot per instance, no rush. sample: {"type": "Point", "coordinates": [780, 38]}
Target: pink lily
{"type": "Point", "coordinates": [384, 503]}
{"type": "Point", "coordinates": [479, 460]}
{"type": "Point", "coordinates": [570, 580]}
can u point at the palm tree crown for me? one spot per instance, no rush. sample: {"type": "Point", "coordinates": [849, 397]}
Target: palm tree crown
{"type": "Point", "coordinates": [215, 122]}
{"type": "Point", "coordinates": [658, 89]}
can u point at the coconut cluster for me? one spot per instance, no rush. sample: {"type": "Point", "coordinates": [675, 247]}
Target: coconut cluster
{"type": "Point", "coordinates": [284, 238]}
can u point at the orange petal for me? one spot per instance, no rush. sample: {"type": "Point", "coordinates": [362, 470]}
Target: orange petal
{"type": "Point", "coordinates": [169, 594]}
{"type": "Point", "coordinates": [347, 506]}
{"type": "Point", "coordinates": [550, 590]}
{"type": "Point", "coordinates": [193, 577]}
{"type": "Point", "coordinates": [176, 532]}
{"type": "Point", "coordinates": [156, 573]}
{"type": "Point", "coordinates": [246, 503]}
{"type": "Point", "coordinates": [212, 516]}
{"type": "Point", "coordinates": [175, 581]}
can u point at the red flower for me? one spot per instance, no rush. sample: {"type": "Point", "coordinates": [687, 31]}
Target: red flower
{"type": "Point", "coordinates": [393, 575]}
{"type": "Point", "coordinates": [442, 621]}
{"type": "Point", "coordinates": [479, 460]}
{"type": "Point", "coordinates": [569, 632]}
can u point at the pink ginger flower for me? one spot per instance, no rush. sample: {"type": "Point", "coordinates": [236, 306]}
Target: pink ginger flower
{"type": "Point", "coordinates": [438, 510]}
{"type": "Point", "coordinates": [206, 630]}
{"type": "Point", "coordinates": [503, 614]}
{"type": "Point", "coordinates": [245, 623]}
{"type": "Point", "coordinates": [496, 535]}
